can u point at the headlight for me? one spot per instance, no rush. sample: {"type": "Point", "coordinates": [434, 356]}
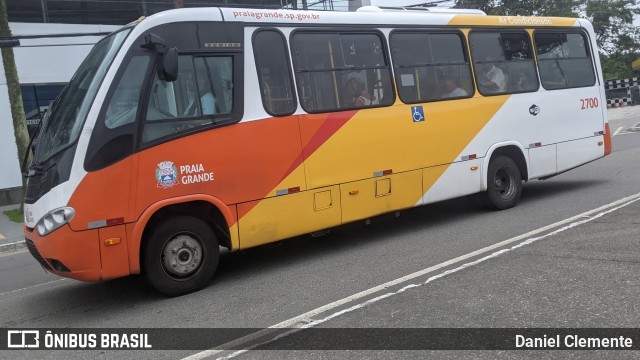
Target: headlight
{"type": "Point", "coordinates": [54, 219]}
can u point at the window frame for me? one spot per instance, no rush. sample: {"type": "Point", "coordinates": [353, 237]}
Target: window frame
{"type": "Point", "coordinates": [589, 48]}
{"type": "Point", "coordinates": [465, 52]}
{"type": "Point", "coordinates": [533, 58]}
{"type": "Point", "coordinates": [339, 31]}
{"type": "Point", "coordinates": [292, 80]}
{"type": "Point", "coordinates": [237, 110]}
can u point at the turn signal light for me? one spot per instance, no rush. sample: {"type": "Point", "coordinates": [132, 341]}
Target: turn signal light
{"type": "Point", "coordinates": [112, 241]}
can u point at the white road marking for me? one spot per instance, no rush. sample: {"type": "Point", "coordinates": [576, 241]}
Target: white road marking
{"type": "Point", "coordinates": [618, 131]}
{"type": "Point", "coordinates": [32, 286]}
{"type": "Point", "coordinates": [11, 253]}
{"type": "Point", "coordinates": [306, 320]}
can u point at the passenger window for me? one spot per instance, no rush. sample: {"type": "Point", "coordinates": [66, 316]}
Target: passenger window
{"type": "Point", "coordinates": [503, 62]}
{"type": "Point", "coordinates": [202, 92]}
{"type": "Point", "coordinates": [341, 71]}
{"type": "Point", "coordinates": [274, 74]}
{"type": "Point", "coordinates": [430, 67]}
{"type": "Point", "coordinates": [123, 105]}
{"type": "Point", "coordinates": [564, 60]}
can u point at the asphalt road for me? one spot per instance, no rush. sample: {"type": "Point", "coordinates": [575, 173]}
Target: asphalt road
{"type": "Point", "coordinates": [271, 284]}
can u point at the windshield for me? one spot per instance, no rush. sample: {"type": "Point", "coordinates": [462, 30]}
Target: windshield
{"type": "Point", "coordinates": [67, 116]}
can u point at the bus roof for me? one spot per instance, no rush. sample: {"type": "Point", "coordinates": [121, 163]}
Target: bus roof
{"type": "Point", "coordinates": [365, 16]}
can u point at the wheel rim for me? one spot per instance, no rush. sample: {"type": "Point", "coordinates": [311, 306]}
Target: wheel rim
{"type": "Point", "coordinates": [504, 184]}
{"type": "Point", "coordinates": [182, 255]}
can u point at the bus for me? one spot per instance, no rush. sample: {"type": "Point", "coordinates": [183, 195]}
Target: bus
{"type": "Point", "coordinates": [196, 129]}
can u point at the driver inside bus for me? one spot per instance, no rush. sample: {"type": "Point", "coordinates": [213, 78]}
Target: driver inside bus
{"type": "Point", "coordinates": [208, 101]}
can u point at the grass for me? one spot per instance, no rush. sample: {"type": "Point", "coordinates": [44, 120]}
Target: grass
{"type": "Point", "coordinates": [14, 215]}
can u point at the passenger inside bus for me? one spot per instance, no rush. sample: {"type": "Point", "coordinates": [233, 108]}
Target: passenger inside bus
{"type": "Point", "coordinates": [357, 94]}
{"type": "Point", "coordinates": [452, 89]}
{"type": "Point", "coordinates": [493, 78]}
{"type": "Point", "coordinates": [523, 82]}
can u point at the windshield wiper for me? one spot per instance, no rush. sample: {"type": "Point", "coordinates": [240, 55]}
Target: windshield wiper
{"type": "Point", "coordinates": [37, 170]}
{"type": "Point", "coordinates": [26, 153]}
{"type": "Point", "coordinates": [33, 138]}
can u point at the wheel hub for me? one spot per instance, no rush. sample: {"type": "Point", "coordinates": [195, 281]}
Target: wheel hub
{"type": "Point", "coordinates": [504, 184]}
{"type": "Point", "coordinates": [182, 255]}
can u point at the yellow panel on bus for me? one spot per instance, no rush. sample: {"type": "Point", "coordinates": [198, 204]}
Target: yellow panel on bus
{"type": "Point", "coordinates": [370, 197]}
{"type": "Point", "coordinates": [289, 215]}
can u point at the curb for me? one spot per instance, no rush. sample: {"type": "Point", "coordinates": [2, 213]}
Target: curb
{"type": "Point", "coordinates": [13, 246]}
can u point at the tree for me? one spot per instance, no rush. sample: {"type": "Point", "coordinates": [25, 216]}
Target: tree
{"type": "Point", "coordinates": [13, 86]}
{"type": "Point", "coordinates": [487, 6]}
{"type": "Point", "coordinates": [618, 65]}
{"type": "Point", "coordinates": [566, 8]}
{"type": "Point", "coordinates": [617, 38]}
{"type": "Point", "coordinates": [611, 19]}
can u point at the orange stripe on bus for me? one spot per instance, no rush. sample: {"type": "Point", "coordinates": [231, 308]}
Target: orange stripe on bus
{"type": "Point", "coordinates": [607, 140]}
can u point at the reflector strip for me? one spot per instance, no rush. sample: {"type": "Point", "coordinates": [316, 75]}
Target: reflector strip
{"type": "Point", "coordinates": [116, 221]}
{"type": "Point", "coordinates": [97, 224]}
{"type": "Point", "coordinates": [598, 133]}
{"type": "Point", "coordinates": [104, 223]}
{"type": "Point", "coordinates": [382, 173]}
{"type": "Point", "coordinates": [469, 157]}
{"type": "Point", "coordinates": [534, 145]}
{"type": "Point", "coordinates": [288, 191]}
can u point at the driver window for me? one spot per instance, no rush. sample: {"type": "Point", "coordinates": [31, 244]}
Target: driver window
{"type": "Point", "coordinates": [123, 106]}
{"type": "Point", "coordinates": [201, 91]}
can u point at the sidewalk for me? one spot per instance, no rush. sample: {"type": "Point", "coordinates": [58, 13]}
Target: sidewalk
{"type": "Point", "coordinates": [10, 232]}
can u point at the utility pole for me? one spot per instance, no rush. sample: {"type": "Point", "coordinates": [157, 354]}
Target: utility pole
{"type": "Point", "coordinates": [13, 87]}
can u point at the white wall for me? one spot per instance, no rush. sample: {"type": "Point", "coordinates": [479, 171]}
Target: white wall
{"type": "Point", "coordinates": [9, 165]}
{"type": "Point", "coordinates": [39, 61]}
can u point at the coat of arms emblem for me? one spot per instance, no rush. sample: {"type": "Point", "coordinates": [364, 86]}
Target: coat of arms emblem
{"type": "Point", "coordinates": [166, 175]}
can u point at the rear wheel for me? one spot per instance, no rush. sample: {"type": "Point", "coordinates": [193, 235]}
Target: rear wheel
{"type": "Point", "coordinates": [181, 255]}
{"type": "Point", "coordinates": [504, 184]}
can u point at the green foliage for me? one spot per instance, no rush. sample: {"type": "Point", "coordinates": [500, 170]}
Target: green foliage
{"type": "Point", "coordinates": [14, 215]}
{"type": "Point", "coordinates": [618, 65]}
{"type": "Point", "coordinates": [612, 19]}
{"type": "Point", "coordinates": [567, 8]}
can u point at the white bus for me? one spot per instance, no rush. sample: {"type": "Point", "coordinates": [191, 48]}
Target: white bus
{"type": "Point", "coordinates": [199, 128]}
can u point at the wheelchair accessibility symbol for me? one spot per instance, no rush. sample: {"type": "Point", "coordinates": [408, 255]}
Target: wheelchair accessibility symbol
{"type": "Point", "coordinates": [417, 113]}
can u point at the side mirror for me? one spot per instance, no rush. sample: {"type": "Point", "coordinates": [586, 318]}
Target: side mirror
{"type": "Point", "coordinates": [168, 71]}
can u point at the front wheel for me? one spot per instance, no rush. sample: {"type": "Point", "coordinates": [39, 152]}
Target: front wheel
{"type": "Point", "coordinates": [504, 184]}
{"type": "Point", "coordinates": [181, 255]}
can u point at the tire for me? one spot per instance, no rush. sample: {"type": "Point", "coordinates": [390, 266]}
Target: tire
{"type": "Point", "coordinates": [180, 255]}
{"type": "Point", "coordinates": [504, 184]}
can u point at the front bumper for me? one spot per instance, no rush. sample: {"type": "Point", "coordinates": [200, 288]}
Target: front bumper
{"type": "Point", "coordinates": [68, 253]}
